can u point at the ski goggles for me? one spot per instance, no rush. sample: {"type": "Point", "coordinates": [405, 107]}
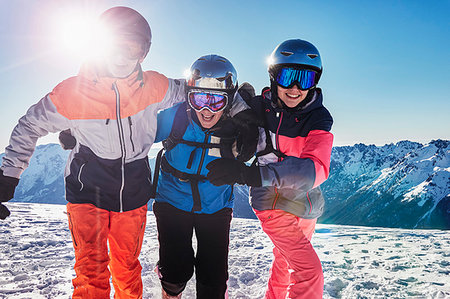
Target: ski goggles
{"type": "Point", "coordinates": [213, 101]}
{"type": "Point", "coordinates": [287, 77]}
{"type": "Point", "coordinates": [128, 48]}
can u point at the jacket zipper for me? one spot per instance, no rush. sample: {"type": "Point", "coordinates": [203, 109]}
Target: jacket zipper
{"type": "Point", "coordinates": [122, 144]}
{"type": "Point", "coordinates": [131, 132]}
{"type": "Point", "coordinates": [277, 141]}
{"type": "Point", "coordinates": [79, 176]}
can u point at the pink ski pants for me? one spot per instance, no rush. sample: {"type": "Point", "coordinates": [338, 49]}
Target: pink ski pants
{"type": "Point", "coordinates": [296, 269]}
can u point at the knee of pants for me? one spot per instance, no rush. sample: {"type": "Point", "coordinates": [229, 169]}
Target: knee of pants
{"type": "Point", "coordinates": [174, 274]}
{"type": "Point", "coordinates": [216, 291]}
{"type": "Point", "coordinates": [173, 289]}
{"type": "Point", "coordinates": [212, 276]}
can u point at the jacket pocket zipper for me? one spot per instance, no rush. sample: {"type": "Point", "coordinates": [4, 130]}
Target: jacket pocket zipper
{"type": "Point", "coordinates": [71, 230]}
{"type": "Point", "coordinates": [79, 176]}
{"type": "Point", "coordinates": [310, 203]}
{"type": "Point", "coordinates": [138, 239]}
{"type": "Point", "coordinates": [131, 132]}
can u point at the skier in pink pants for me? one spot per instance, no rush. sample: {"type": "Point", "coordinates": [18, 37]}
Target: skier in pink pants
{"type": "Point", "coordinates": [292, 160]}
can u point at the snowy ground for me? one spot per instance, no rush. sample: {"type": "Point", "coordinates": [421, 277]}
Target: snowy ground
{"type": "Point", "coordinates": [36, 259]}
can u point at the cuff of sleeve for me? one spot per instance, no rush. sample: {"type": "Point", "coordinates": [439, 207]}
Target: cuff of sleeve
{"type": "Point", "coordinates": [253, 176]}
{"type": "Point", "coordinates": [12, 172]}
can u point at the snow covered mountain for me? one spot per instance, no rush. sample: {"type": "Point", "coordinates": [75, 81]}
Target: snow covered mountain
{"type": "Point", "coordinates": [406, 184]}
{"type": "Point", "coordinates": [397, 185]}
{"type": "Point", "coordinates": [43, 180]}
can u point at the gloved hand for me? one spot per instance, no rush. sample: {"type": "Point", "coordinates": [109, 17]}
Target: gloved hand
{"type": "Point", "coordinates": [246, 91]}
{"type": "Point", "coordinates": [7, 187]}
{"type": "Point", "coordinates": [246, 124]}
{"type": "Point", "coordinates": [229, 171]}
{"type": "Point", "coordinates": [4, 212]}
{"type": "Point", "coordinates": [66, 140]}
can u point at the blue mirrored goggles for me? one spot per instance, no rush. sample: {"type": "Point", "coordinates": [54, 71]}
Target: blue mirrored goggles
{"type": "Point", "coordinates": [287, 77]}
{"type": "Point", "coordinates": [213, 101]}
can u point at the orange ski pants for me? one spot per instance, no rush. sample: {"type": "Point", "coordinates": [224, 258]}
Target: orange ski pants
{"type": "Point", "coordinates": [92, 229]}
{"type": "Point", "coordinates": [296, 269]}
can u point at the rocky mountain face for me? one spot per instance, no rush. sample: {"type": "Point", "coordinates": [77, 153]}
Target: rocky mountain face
{"type": "Point", "coordinates": [405, 185]}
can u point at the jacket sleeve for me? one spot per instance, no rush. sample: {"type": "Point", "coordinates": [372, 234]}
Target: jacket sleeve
{"type": "Point", "coordinates": [164, 125]}
{"type": "Point", "coordinates": [40, 119]}
{"type": "Point", "coordinates": [238, 104]}
{"type": "Point", "coordinates": [312, 167]}
{"type": "Point", "coordinates": [175, 94]}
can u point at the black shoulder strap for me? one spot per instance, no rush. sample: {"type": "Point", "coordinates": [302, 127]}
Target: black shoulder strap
{"type": "Point", "coordinates": [269, 149]}
{"type": "Point", "coordinates": [179, 126]}
{"type": "Point", "coordinates": [156, 175]}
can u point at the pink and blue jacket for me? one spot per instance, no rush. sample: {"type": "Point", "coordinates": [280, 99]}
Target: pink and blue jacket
{"type": "Point", "coordinates": [300, 160]}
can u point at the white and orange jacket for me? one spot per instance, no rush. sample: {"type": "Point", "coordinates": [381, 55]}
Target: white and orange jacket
{"type": "Point", "coordinates": [114, 122]}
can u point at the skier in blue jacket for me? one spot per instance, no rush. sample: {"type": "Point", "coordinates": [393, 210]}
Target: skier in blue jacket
{"type": "Point", "coordinates": [195, 133]}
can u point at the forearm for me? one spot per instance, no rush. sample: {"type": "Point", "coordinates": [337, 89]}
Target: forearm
{"type": "Point", "coordinates": [39, 120]}
{"type": "Point", "coordinates": [292, 173]}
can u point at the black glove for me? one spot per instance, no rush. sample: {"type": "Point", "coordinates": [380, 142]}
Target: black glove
{"type": "Point", "coordinates": [4, 212]}
{"type": "Point", "coordinates": [246, 123]}
{"type": "Point", "coordinates": [229, 171]}
{"type": "Point", "coordinates": [66, 140]}
{"type": "Point", "coordinates": [7, 186]}
{"type": "Point", "coordinates": [246, 91]}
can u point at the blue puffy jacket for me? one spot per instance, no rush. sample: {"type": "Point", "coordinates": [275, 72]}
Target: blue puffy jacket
{"type": "Point", "coordinates": [189, 159]}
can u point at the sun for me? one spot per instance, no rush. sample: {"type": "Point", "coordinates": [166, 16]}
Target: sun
{"type": "Point", "coordinates": [81, 36]}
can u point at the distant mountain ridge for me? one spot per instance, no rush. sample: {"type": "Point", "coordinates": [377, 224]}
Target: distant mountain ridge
{"type": "Point", "coordinates": [406, 184]}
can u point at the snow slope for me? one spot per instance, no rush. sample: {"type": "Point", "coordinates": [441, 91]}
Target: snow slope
{"type": "Point", "coordinates": [36, 258]}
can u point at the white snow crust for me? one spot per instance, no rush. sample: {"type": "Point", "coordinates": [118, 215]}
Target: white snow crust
{"type": "Point", "coordinates": [36, 259]}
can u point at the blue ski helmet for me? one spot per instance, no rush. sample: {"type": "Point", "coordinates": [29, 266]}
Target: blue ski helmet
{"type": "Point", "coordinates": [297, 53]}
{"type": "Point", "coordinates": [213, 72]}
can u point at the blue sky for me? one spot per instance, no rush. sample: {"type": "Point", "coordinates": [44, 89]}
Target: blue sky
{"type": "Point", "coordinates": [386, 63]}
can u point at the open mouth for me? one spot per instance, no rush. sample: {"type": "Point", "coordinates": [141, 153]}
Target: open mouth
{"type": "Point", "coordinates": [293, 96]}
{"type": "Point", "coordinates": [207, 118]}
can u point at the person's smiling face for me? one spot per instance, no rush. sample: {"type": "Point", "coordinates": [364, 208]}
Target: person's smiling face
{"type": "Point", "coordinates": [291, 96]}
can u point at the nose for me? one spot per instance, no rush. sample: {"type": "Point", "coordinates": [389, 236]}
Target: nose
{"type": "Point", "coordinates": [296, 89]}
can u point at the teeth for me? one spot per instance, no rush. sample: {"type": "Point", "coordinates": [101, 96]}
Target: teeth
{"type": "Point", "coordinates": [293, 95]}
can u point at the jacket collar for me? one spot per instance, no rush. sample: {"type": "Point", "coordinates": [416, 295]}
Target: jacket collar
{"type": "Point", "coordinates": [97, 74]}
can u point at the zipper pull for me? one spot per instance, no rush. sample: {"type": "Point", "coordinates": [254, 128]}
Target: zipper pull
{"type": "Point", "coordinates": [129, 120]}
{"type": "Point", "coordinates": [278, 114]}
{"type": "Point", "coordinates": [107, 121]}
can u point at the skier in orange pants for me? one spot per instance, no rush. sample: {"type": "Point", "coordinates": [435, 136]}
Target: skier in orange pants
{"type": "Point", "coordinates": [110, 109]}
{"type": "Point", "coordinates": [91, 230]}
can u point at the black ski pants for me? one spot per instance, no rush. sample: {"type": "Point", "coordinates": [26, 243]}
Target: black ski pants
{"type": "Point", "coordinates": [177, 259]}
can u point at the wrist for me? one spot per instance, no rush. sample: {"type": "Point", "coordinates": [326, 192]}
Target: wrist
{"type": "Point", "coordinates": [252, 176]}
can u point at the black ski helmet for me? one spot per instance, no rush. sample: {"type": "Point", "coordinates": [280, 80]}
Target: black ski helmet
{"type": "Point", "coordinates": [125, 21]}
